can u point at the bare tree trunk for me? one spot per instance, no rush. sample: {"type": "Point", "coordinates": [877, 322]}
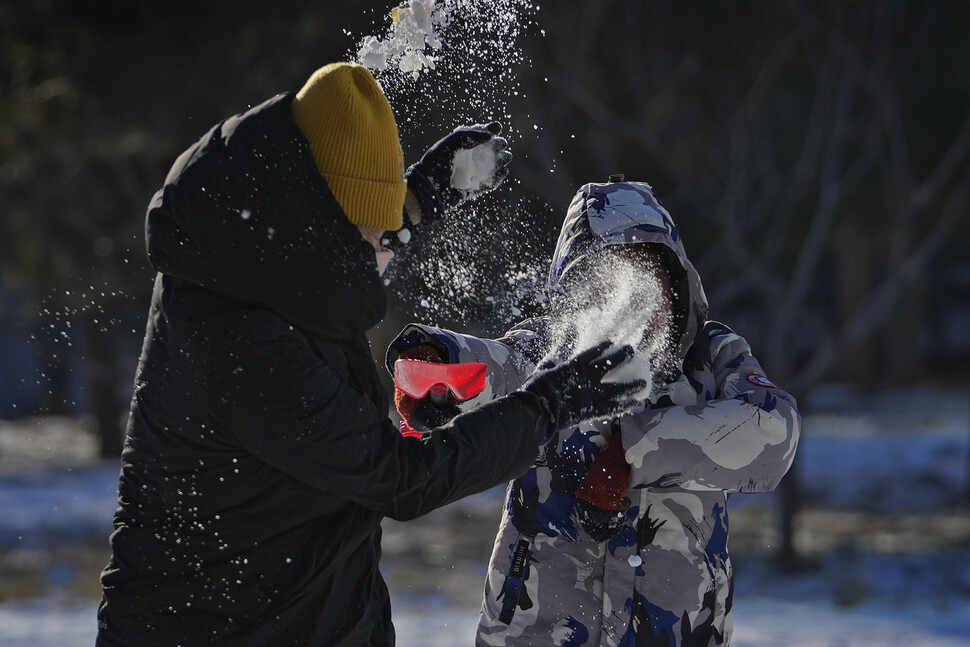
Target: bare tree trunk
{"type": "Point", "coordinates": [791, 503]}
{"type": "Point", "coordinates": [967, 502]}
{"type": "Point", "coordinates": [905, 352]}
{"type": "Point", "coordinates": [101, 383]}
{"type": "Point", "coordinates": [781, 184]}
{"type": "Point", "coordinates": [854, 266]}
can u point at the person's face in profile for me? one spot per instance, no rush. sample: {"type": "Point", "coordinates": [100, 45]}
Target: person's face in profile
{"type": "Point", "coordinates": [373, 236]}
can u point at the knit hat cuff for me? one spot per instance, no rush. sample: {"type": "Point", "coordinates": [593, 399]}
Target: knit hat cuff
{"type": "Point", "coordinates": [369, 203]}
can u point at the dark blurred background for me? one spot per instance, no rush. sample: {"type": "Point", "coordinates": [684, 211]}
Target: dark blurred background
{"type": "Point", "coordinates": [815, 155]}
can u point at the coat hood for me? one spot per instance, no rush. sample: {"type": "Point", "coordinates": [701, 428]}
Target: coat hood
{"type": "Point", "coordinates": [627, 213]}
{"type": "Point", "coordinates": [245, 213]}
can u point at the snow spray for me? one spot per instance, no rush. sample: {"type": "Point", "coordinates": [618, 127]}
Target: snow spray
{"type": "Point", "coordinates": [465, 47]}
{"type": "Point", "coordinates": [619, 303]}
{"type": "Point", "coordinates": [445, 63]}
{"type": "Point", "coordinates": [414, 34]}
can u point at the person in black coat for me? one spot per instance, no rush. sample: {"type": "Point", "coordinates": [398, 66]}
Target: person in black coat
{"type": "Point", "coordinates": [259, 458]}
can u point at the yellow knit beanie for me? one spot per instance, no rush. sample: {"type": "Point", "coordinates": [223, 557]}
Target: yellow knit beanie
{"type": "Point", "coordinates": [353, 136]}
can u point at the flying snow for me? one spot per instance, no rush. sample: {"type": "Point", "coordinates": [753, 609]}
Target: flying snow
{"type": "Point", "coordinates": [418, 37]}
{"type": "Point", "coordinates": [445, 64]}
{"type": "Point", "coordinates": [618, 303]}
{"type": "Point", "coordinates": [413, 36]}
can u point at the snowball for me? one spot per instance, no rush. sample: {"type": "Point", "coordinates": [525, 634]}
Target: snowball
{"type": "Point", "coordinates": [473, 169]}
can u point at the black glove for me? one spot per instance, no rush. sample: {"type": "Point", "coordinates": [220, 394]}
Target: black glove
{"type": "Point", "coordinates": [430, 415]}
{"type": "Point", "coordinates": [572, 392]}
{"type": "Point", "coordinates": [434, 180]}
{"type": "Point", "coordinates": [599, 523]}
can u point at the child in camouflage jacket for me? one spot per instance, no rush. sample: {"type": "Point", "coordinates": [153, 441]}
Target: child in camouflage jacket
{"type": "Point", "coordinates": [618, 534]}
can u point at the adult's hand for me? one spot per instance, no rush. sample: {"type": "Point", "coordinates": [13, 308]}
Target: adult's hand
{"type": "Point", "coordinates": [462, 165]}
{"type": "Point", "coordinates": [574, 391]}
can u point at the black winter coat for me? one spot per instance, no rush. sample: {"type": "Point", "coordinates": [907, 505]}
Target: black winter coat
{"type": "Point", "coordinates": [259, 458]}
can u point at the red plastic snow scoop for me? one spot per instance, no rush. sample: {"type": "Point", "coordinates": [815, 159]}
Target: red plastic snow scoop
{"type": "Point", "coordinates": [418, 378]}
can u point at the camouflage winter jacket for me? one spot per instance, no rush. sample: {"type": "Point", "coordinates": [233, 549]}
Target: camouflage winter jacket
{"type": "Point", "coordinates": [717, 426]}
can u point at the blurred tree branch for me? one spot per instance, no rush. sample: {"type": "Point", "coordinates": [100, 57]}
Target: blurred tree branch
{"type": "Point", "coordinates": [96, 101]}
{"type": "Point", "coordinates": [759, 152]}
{"type": "Point", "coordinates": [812, 181]}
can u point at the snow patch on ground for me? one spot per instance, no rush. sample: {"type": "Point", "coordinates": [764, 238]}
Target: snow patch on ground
{"type": "Point", "coordinates": [44, 623]}
{"type": "Point", "coordinates": [40, 508]}
{"type": "Point", "coordinates": [860, 589]}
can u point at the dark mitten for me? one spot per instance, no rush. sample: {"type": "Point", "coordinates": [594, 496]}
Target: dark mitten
{"type": "Point", "coordinates": [574, 391]}
{"type": "Point", "coordinates": [601, 525]}
{"type": "Point", "coordinates": [601, 503]}
{"type": "Point", "coordinates": [464, 164]}
{"type": "Point", "coordinates": [429, 414]}
{"type": "Point", "coordinates": [434, 410]}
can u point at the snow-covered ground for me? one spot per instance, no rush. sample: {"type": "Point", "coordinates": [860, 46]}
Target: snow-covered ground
{"type": "Point", "coordinates": [795, 613]}
{"type": "Point", "coordinates": [886, 536]}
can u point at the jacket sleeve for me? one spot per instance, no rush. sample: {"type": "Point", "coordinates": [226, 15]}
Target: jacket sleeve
{"type": "Point", "coordinates": [742, 440]}
{"type": "Point", "coordinates": [509, 359]}
{"type": "Point", "coordinates": [287, 407]}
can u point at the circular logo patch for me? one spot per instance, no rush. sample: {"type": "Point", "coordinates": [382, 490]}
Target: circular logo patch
{"type": "Point", "coordinates": [761, 380]}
